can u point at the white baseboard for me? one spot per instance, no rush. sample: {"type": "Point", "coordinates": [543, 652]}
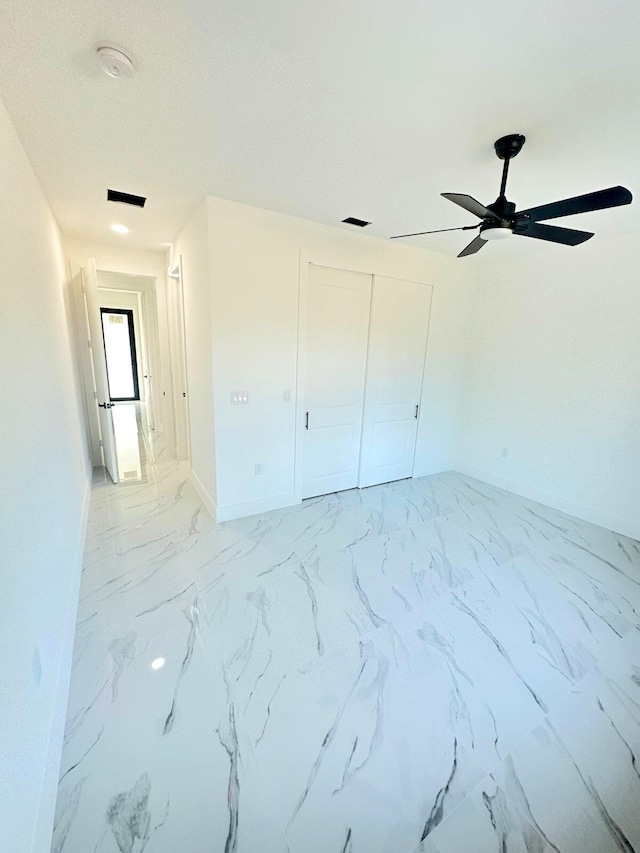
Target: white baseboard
{"type": "Point", "coordinates": [431, 472]}
{"type": "Point", "coordinates": [205, 497]}
{"type": "Point", "coordinates": [242, 510]}
{"type": "Point", "coordinates": [49, 789]}
{"type": "Point", "coordinates": [587, 513]}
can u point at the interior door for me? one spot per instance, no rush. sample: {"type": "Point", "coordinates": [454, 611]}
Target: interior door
{"type": "Point", "coordinates": [146, 361]}
{"type": "Point", "coordinates": [397, 343]}
{"type": "Point", "coordinates": [100, 369]}
{"type": "Point", "coordinates": [337, 332]}
{"type": "Point", "coordinates": [177, 350]}
{"type": "Point", "coordinates": [86, 363]}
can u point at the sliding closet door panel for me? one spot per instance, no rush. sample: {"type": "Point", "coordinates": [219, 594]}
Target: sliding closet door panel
{"type": "Point", "coordinates": [397, 343]}
{"type": "Point", "coordinates": [338, 322]}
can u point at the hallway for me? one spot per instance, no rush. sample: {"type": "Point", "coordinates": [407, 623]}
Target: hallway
{"type": "Point", "coordinates": [433, 665]}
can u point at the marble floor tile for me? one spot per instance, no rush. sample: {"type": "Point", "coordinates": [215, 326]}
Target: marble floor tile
{"type": "Point", "coordinates": [344, 674]}
{"type": "Point", "coordinates": [533, 643]}
{"type": "Point", "coordinates": [486, 822]}
{"type": "Point", "coordinates": [453, 550]}
{"type": "Point", "coordinates": [503, 533]}
{"type": "Point", "coordinates": [531, 632]}
{"type": "Point", "coordinates": [575, 777]}
{"type": "Point", "coordinates": [157, 757]}
{"type": "Point", "coordinates": [493, 693]}
{"type": "Point", "coordinates": [262, 626]}
{"type": "Point", "coordinates": [194, 790]}
{"type": "Point", "coordinates": [615, 548]}
{"type": "Point", "coordinates": [607, 587]}
{"type": "Point", "coordinates": [356, 764]}
{"type": "Point", "coordinates": [572, 621]}
{"type": "Point", "coordinates": [396, 506]}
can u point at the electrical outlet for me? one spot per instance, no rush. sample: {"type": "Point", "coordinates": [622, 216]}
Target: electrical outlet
{"type": "Point", "coordinates": [239, 397]}
{"type": "Point", "coordinates": [504, 452]}
{"type": "Point", "coordinates": [259, 469]}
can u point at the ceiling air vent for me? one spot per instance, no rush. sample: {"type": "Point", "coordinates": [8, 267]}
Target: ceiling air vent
{"type": "Point", "coordinates": [351, 220]}
{"type": "Point", "coordinates": [126, 198]}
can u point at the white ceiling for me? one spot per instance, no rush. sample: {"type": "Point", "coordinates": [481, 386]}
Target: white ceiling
{"type": "Point", "coordinates": [366, 108]}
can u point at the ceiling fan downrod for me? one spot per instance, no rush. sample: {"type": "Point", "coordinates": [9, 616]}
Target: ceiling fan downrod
{"type": "Point", "coordinates": [507, 147]}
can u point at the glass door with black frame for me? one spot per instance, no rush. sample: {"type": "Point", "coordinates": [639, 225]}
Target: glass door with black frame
{"type": "Point", "coordinates": [120, 352]}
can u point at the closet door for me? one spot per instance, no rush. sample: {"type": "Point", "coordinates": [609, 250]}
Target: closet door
{"type": "Point", "coordinates": [397, 344]}
{"type": "Point", "coordinates": [338, 322]}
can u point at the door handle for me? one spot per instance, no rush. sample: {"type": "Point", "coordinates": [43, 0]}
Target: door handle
{"type": "Point", "coordinates": [306, 423]}
{"type": "Point", "coordinates": [106, 405]}
{"type": "Point", "coordinates": [417, 409]}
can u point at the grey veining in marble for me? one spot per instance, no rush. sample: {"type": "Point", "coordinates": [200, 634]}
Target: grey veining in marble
{"type": "Point", "coordinates": [428, 666]}
{"type": "Point", "coordinates": [486, 822]}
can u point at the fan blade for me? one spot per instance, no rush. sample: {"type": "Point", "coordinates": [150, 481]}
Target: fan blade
{"type": "Point", "coordinates": [471, 205]}
{"type": "Point", "coordinates": [473, 247]}
{"type": "Point", "coordinates": [613, 197]}
{"type": "Point", "coordinates": [439, 231]}
{"type": "Point", "coordinates": [566, 236]}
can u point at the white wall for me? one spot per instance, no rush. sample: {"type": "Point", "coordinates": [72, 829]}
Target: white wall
{"type": "Point", "coordinates": [193, 246]}
{"type": "Point", "coordinates": [113, 257]}
{"type": "Point", "coordinates": [554, 376]}
{"type": "Point", "coordinates": [254, 260]}
{"type": "Point", "coordinates": [44, 487]}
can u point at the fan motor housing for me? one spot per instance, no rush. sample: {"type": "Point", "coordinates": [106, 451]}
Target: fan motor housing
{"type": "Point", "coordinates": [508, 147]}
{"type": "Point", "coordinates": [502, 208]}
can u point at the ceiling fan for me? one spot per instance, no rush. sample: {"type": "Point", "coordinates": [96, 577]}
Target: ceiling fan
{"type": "Point", "coordinates": [500, 219]}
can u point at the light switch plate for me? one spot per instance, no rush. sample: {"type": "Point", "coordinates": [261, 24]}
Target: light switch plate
{"type": "Point", "coordinates": [239, 397]}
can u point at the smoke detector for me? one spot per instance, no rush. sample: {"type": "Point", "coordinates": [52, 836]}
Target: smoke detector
{"type": "Point", "coordinates": [114, 60]}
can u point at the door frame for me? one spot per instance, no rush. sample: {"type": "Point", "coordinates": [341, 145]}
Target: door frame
{"type": "Point", "coordinates": [178, 361]}
{"type": "Point", "coordinates": [305, 260]}
{"type": "Point", "coordinates": [132, 349]}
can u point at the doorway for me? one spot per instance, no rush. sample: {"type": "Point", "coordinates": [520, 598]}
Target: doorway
{"type": "Point", "coordinates": [118, 332]}
{"type": "Point", "coordinates": [130, 402]}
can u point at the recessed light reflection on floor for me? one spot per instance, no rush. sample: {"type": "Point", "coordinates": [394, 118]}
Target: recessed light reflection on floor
{"type": "Point", "coordinates": [158, 663]}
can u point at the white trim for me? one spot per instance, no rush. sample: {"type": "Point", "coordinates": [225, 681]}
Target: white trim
{"type": "Point", "coordinates": [441, 469]}
{"type": "Point", "coordinates": [49, 784]}
{"type": "Point", "coordinates": [205, 497]}
{"type": "Point", "coordinates": [242, 510]}
{"type": "Point", "coordinates": [582, 511]}
{"type": "Point", "coordinates": [301, 375]}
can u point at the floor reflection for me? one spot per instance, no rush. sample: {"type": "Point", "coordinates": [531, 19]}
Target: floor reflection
{"type": "Point", "coordinates": [131, 431]}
